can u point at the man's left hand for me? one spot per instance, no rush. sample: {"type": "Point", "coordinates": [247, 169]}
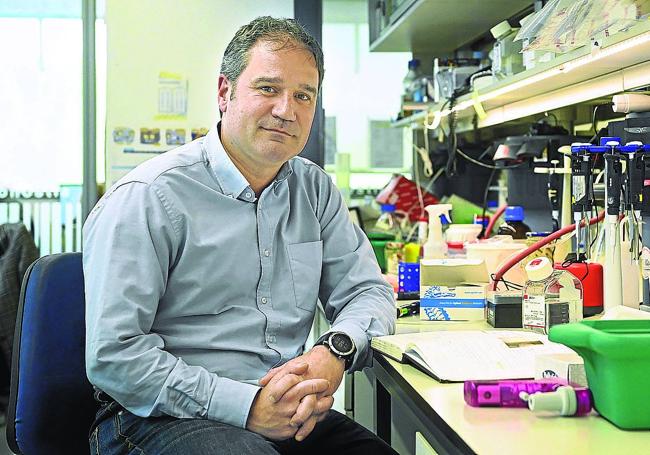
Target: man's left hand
{"type": "Point", "coordinates": [322, 364]}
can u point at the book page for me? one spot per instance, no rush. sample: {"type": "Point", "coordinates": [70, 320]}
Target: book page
{"type": "Point", "coordinates": [482, 355]}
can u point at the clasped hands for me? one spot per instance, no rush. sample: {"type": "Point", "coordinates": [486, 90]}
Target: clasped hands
{"type": "Point", "coordinates": [296, 396]}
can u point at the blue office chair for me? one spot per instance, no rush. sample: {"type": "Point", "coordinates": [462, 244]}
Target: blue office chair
{"type": "Point", "coordinates": [51, 405]}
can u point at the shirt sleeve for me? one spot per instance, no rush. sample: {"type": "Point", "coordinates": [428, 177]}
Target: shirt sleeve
{"type": "Point", "coordinates": [356, 298]}
{"type": "Point", "coordinates": [131, 241]}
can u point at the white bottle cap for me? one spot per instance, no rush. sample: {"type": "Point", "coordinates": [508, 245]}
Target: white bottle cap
{"type": "Point", "coordinates": [539, 269]}
{"type": "Point", "coordinates": [563, 401]}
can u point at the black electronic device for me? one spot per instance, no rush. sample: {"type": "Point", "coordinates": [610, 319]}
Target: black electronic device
{"type": "Point", "coordinates": [340, 344]}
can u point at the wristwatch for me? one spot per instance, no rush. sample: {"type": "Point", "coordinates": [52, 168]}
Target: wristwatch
{"type": "Point", "coordinates": [340, 344]}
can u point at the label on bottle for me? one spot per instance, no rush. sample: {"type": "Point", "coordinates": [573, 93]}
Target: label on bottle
{"type": "Point", "coordinates": [533, 313]}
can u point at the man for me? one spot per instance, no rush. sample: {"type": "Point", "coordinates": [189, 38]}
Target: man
{"type": "Point", "coordinates": [203, 268]}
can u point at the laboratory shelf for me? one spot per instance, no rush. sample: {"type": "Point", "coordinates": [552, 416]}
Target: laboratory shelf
{"type": "Point", "coordinates": [435, 26]}
{"type": "Point", "coordinates": [620, 62]}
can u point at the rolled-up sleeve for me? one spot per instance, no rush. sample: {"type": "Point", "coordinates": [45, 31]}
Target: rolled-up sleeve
{"type": "Point", "coordinates": [131, 240]}
{"type": "Point", "coordinates": [356, 298]}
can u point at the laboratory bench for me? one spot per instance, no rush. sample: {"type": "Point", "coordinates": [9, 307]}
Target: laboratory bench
{"type": "Point", "coordinates": [418, 415]}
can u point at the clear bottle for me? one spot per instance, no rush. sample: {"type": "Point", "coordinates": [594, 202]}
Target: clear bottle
{"type": "Point", "coordinates": [411, 80]}
{"type": "Point", "coordinates": [387, 222]}
{"type": "Point", "coordinates": [550, 297]}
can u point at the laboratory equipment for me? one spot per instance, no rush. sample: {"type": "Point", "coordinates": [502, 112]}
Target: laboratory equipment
{"type": "Point", "coordinates": [551, 297]}
{"type": "Point", "coordinates": [514, 225]}
{"type": "Point", "coordinates": [617, 363]}
{"type": "Point", "coordinates": [581, 182]}
{"type": "Point", "coordinates": [537, 395]}
{"type": "Point", "coordinates": [623, 200]}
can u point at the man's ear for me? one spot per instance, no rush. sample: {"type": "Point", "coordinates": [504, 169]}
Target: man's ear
{"type": "Point", "coordinates": [224, 92]}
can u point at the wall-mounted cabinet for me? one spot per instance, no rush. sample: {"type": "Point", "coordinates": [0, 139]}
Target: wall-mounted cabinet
{"type": "Point", "coordinates": [435, 26]}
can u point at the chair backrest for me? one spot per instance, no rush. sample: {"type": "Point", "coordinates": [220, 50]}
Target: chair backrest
{"type": "Point", "coordinates": [51, 405]}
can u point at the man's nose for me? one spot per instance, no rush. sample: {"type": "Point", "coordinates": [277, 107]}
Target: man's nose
{"type": "Point", "coordinates": [284, 108]}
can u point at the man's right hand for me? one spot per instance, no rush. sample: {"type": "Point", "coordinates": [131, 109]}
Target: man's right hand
{"type": "Point", "coordinates": [274, 406]}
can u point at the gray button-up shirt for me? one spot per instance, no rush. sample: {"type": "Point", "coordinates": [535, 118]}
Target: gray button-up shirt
{"type": "Point", "coordinates": [195, 288]}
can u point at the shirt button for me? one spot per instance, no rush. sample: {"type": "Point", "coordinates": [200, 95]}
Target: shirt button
{"type": "Point", "coordinates": [264, 300]}
{"type": "Point", "coordinates": [267, 253]}
{"type": "Point", "coordinates": [271, 338]}
{"type": "Point", "coordinates": [248, 195]}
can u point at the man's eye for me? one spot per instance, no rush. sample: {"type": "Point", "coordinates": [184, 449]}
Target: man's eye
{"type": "Point", "coordinates": [303, 97]}
{"type": "Point", "coordinates": [267, 89]}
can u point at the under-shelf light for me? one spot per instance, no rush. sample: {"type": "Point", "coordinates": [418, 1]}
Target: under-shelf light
{"type": "Point", "coordinates": [563, 68]}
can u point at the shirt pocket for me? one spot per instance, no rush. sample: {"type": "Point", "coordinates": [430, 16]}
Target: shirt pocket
{"type": "Point", "coordinates": [306, 261]}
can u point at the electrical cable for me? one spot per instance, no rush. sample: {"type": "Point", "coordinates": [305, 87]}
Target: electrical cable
{"type": "Point", "coordinates": [594, 122]}
{"type": "Point", "coordinates": [487, 166]}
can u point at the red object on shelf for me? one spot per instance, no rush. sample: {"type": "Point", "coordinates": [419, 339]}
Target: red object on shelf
{"type": "Point", "coordinates": [403, 193]}
{"type": "Point", "coordinates": [591, 276]}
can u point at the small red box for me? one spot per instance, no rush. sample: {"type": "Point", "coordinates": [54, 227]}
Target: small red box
{"type": "Point", "coordinates": [591, 276]}
{"type": "Point", "coordinates": [403, 194]}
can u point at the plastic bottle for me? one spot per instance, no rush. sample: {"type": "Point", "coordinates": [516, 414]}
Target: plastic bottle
{"type": "Point", "coordinates": [411, 79]}
{"type": "Point", "coordinates": [550, 297]}
{"type": "Point", "coordinates": [514, 225]}
{"type": "Point", "coordinates": [435, 247]}
{"type": "Point", "coordinates": [387, 222]}
{"type": "Point", "coordinates": [422, 229]}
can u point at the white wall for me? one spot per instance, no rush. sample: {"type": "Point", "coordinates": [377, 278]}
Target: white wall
{"type": "Point", "coordinates": [187, 37]}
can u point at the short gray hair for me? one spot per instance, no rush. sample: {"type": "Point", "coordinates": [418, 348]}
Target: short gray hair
{"type": "Point", "coordinates": [284, 32]}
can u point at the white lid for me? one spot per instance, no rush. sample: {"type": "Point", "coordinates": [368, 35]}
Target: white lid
{"type": "Point", "coordinates": [562, 401]}
{"type": "Point", "coordinates": [539, 269]}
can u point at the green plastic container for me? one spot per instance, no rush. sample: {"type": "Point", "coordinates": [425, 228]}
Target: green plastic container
{"type": "Point", "coordinates": [617, 363]}
{"type": "Point", "coordinates": [378, 240]}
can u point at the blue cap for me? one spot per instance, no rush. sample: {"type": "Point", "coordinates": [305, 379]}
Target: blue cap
{"type": "Point", "coordinates": [387, 207]}
{"type": "Point", "coordinates": [514, 213]}
{"type": "Point", "coordinates": [414, 63]}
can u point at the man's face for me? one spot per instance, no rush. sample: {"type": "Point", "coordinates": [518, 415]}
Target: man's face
{"type": "Point", "coordinates": [268, 120]}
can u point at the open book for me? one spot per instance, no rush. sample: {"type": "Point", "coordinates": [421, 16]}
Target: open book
{"type": "Point", "coordinates": [456, 356]}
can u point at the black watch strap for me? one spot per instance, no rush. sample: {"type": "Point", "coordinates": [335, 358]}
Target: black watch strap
{"type": "Point", "coordinates": [348, 357]}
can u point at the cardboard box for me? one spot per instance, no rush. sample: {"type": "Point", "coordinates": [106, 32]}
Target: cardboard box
{"type": "Point", "coordinates": [403, 194]}
{"type": "Point", "coordinates": [564, 366]}
{"type": "Point", "coordinates": [453, 289]}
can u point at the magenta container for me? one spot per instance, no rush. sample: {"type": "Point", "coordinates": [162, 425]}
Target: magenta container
{"type": "Point", "coordinates": [506, 393]}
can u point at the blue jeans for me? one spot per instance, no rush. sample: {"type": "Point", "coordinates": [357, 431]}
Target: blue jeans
{"type": "Point", "coordinates": [117, 431]}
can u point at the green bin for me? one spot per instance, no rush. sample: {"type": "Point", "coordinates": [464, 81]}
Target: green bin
{"type": "Point", "coordinates": [617, 363]}
{"type": "Point", "coordinates": [378, 240]}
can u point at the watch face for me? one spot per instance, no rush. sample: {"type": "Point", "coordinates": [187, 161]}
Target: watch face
{"type": "Point", "coordinates": [341, 343]}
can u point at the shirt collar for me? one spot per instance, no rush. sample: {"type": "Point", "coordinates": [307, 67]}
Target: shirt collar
{"type": "Point", "coordinates": [231, 180]}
